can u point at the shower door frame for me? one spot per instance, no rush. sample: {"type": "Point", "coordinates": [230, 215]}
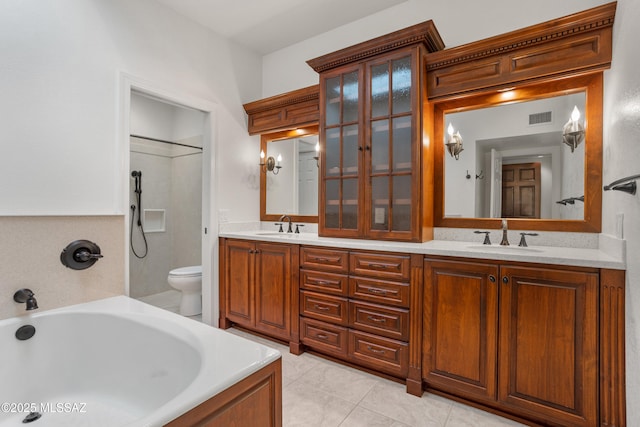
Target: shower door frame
{"type": "Point", "coordinates": [128, 84]}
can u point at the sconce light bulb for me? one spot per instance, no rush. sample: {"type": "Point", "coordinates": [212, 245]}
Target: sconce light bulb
{"type": "Point", "coordinates": [317, 147]}
{"type": "Point", "coordinates": [279, 158]}
{"type": "Point", "coordinates": [575, 114]}
{"type": "Point", "coordinates": [262, 154]}
{"type": "Point", "coordinates": [450, 130]}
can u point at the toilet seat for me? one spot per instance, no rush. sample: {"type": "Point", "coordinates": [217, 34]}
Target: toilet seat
{"type": "Point", "coordinates": [192, 271]}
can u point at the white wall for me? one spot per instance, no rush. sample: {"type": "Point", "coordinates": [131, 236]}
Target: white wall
{"type": "Point", "coordinates": [60, 101]}
{"type": "Point", "coordinates": [621, 154]}
{"type": "Point", "coordinates": [60, 106]}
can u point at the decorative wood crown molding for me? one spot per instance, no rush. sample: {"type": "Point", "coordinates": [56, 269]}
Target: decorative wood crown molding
{"type": "Point", "coordinates": [424, 33]}
{"type": "Point", "coordinates": [298, 96]}
{"type": "Point", "coordinates": [568, 26]}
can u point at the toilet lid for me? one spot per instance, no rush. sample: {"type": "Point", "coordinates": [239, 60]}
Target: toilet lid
{"type": "Point", "coordinates": [194, 270]}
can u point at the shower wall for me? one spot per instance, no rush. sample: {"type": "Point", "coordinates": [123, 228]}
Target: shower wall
{"type": "Point", "coordinates": [171, 181]}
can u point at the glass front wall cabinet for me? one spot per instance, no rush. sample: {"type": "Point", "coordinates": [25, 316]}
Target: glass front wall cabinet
{"type": "Point", "coordinates": [372, 167]}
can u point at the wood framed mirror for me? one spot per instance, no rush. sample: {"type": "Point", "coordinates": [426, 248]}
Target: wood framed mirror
{"type": "Point", "coordinates": [466, 180]}
{"type": "Point", "coordinates": [293, 188]}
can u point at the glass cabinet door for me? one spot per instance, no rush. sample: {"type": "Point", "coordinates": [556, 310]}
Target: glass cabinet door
{"type": "Point", "coordinates": [342, 153]}
{"type": "Point", "coordinates": [390, 154]}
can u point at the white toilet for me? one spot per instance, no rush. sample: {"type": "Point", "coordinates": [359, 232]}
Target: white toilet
{"type": "Point", "coordinates": [188, 280]}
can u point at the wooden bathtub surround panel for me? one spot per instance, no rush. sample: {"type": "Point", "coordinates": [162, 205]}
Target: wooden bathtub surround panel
{"type": "Point", "coordinates": [298, 108]}
{"type": "Point", "coordinates": [574, 44]}
{"type": "Point", "coordinates": [254, 401]}
{"type": "Point", "coordinates": [612, 349]}
{"type": "Point", "coordinates": [461, 328]}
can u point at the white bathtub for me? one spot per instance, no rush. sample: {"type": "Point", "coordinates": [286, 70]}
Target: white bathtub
{"type": "Point", "coordinates": [116, 362]}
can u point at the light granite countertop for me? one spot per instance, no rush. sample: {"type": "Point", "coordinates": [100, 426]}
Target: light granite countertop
{"type": "Point", "coordinates": [579, 257]}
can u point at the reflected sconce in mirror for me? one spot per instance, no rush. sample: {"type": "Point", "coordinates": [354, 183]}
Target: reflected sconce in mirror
{"type": "Point", "coordinates": [317, 156]}
{"type": "Point", "coordinates": [270, 165]}
{"type": "Point", "coordinates": [573, 130]}
{"type": "Point", "coordinates": [454, 142]}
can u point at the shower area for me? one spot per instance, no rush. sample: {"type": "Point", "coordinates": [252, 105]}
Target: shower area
{"type": "Point", "coordinates": [165, 193]}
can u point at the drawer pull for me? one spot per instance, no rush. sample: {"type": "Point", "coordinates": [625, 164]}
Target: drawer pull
{"type": "Point", "coordinates": [385, 266]}
{"type": "Point", "coordinates": [323, 259]}
{"type": "Point", "coordinates": [376, 351]}
{"type": "Point", "coordinates": [320, 307]}
{"type": "Point", "coordinates": [377, 319]}
{"type": "Point", "coordinates": [377, 291]}
{"type": "Point", "coordinates": [322, 336]}
{"type": "Point", "coordinates": [323, 282]}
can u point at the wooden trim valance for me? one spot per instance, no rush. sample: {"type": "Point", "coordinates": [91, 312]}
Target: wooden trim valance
{"type": "Point", "coordinates": [573, 44]}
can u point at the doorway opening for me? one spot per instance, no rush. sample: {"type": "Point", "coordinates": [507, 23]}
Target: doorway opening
{"type": "Point", "coordinates": [168, 154]}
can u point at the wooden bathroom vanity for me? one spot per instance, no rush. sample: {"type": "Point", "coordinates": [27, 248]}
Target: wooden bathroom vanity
{"type": "Point", "coordinates": [534, 334]}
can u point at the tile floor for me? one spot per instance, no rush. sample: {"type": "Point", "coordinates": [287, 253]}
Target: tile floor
{"type": "Point", "coordinates": [318, 392]}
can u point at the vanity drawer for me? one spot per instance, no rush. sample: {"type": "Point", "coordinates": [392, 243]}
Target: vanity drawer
{"type": "Point", "coordinates": [379, 353]}
{"type": "Point", "coordinates": [321, 281]}
{"type": "Point", "coordinates": [332, 260]}
{"type": "Point", "coordinates": [324, 307]}
{"type": "Point", "coordinates": [382, 291]}
{"type": "Point", "coordinates": [386, 321]}
{"type": "Point", "coordinates": [383, 266]}
{"type": "Point", "coordinates": [323, 336]}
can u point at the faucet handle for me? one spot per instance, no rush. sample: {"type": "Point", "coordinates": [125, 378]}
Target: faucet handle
{"type": "Point", "coordinates": [486, 241]}
{"type": "Point", "coordinates": [297, 229]}
{"type": "Point", "coordinates": [280, 224]}
{"type": "Point", "coordinates": [523, 241]}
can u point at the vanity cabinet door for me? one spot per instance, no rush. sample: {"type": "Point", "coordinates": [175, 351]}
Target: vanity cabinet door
{"type": "Point", "coordinates": [392, 147]}
{"type": "Point", "coordinates": [273, 289]}
{"type": "Point", "coordinates": [461, 328]}
{"type": "Point", "coordinates": [260, 287]}
{"type": "Point", "coordinates": [548, 344]}
{"type": "Point", "coordinates": [239, 277]}
{"type": "Point", "coordinates": [374, 165]}
{"type": "Point", "coordinates": [340, 207]}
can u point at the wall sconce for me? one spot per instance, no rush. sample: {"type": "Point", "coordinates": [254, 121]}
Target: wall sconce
{"type": "Point", "coordinates": [454, 143]}
{"type": "Point", "coordinates": [573, 131]}
{"type": "Point", "coordinates": [270, 165]}
{"type": "Point", "coordinates": [317, 156]}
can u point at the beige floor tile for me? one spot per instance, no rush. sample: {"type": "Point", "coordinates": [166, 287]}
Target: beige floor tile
{"type": "Point", "coordinates": [467, 416]}
{"type": "Point", "coordinates": [392, 400]}
{"type": "Point", "coordinates": [361, 417]}
{"type": "Point", "coordinates": [304, 406]}
{"type": "Point", "coordinates": [337, 380]}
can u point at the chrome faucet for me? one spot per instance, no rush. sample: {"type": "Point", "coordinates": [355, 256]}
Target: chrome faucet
{"type": "Point", "coordinates": [505, 241]}
{"type": "Point", "coordinates": [288, 219]}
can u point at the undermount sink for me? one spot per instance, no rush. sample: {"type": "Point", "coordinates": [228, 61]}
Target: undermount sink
{"type": "Point", "coordinates": [500, 248]}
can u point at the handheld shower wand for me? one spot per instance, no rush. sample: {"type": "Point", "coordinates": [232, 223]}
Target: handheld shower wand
{"type": "Point", "coordinates": [137, 175]}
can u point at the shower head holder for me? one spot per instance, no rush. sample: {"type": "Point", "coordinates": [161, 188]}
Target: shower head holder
{"type": "Point", "coordinates": [80, 254]}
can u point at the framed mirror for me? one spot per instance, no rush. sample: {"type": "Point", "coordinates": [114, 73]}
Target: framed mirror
{"type": "Point", "coordinates": [531, 154]}
{"type": "Point", "coordinates": [289, 180]}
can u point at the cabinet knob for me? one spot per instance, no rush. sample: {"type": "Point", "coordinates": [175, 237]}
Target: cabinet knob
{"type": "Point", "coordinates": [505, 280]}
{"type": "Point", "coordinates": [492, 278]}
{"type": "Point", "coordinates": [359, 148]}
